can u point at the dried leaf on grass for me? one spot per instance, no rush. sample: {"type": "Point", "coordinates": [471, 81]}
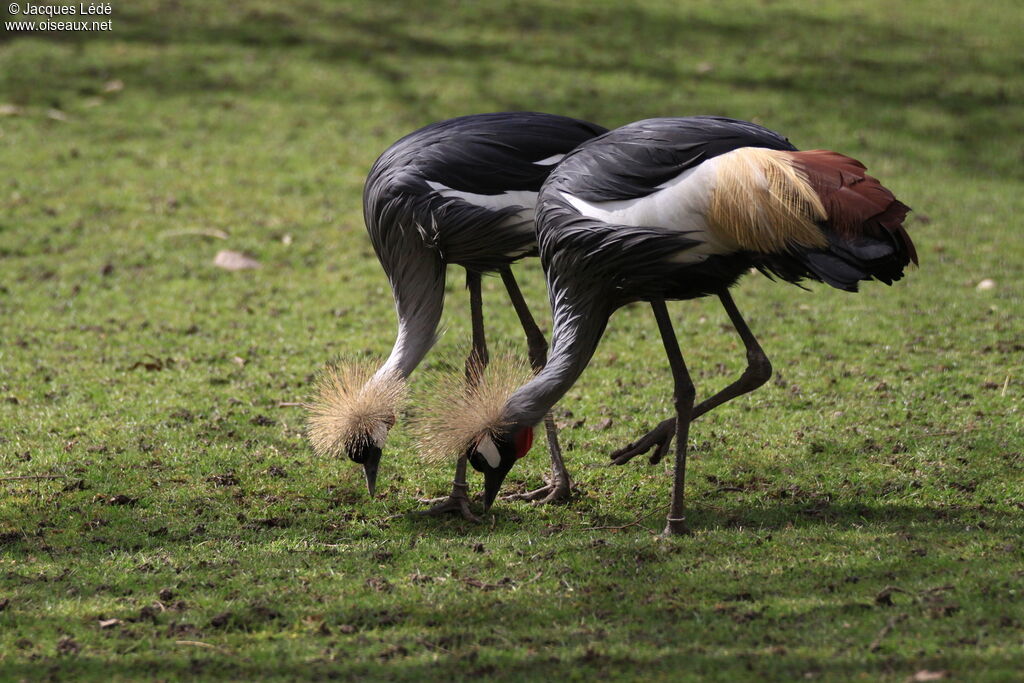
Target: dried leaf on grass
{"type": "Point", "coordinates": [197, 232]}
{"type": "Point", "coordinates": [234, 260]}
{"type": "Point", "coordinates": [67, 646]}
{"type": "Point", "coordinates": [926, 675]}
{"type": "Point", "coordinates": [153, 363]}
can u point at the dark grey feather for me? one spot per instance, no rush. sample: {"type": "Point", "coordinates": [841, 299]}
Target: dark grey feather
{"type": "Point", "coordinates": [416, 231]}
{"type": "Point", "coordinates": [484, 154]}
{"type": "Point", "coordinates": [632, 161]}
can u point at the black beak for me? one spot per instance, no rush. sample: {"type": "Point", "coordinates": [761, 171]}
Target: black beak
{"type": "Point", "coordinates": [370, 464]}
{"type": "Point", "coordinates": [493, 479]}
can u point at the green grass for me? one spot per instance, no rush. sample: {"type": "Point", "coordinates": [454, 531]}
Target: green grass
{"type": "Point", "coordinates": [887, 452]}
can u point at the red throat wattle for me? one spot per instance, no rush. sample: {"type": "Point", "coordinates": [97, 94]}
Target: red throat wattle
{"type": "Point", "coordinates": [524, 439]}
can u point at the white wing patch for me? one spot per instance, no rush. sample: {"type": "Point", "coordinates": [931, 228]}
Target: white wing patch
{"type": "Point", "coordinates": [680, 203]}
{"type": "Point", "coordinates": [523, 198]}
{"type": "Point", "coordinates": [550, 161]}
{"type": "Point", "coordinates": [487, 449]}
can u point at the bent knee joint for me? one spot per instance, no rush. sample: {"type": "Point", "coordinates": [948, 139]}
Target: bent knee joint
{"type": "Point", "coordinates": [759, 369]}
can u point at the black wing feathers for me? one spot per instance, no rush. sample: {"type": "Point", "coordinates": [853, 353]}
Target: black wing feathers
{"type": "Point", "coordinates": [635, 160]}
{"type": "Point", "coordinates": [482, 154]}
{"type": "Point", "coordinates": [631, 161]}
{"type": "Point", "coordinates": [628, 163]}
{"type": "Point", "coordinates": [490, 153]}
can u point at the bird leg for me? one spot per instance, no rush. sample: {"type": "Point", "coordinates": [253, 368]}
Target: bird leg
{"type": "Point", "coordinates": [559, 487]}
{"type": "Point", "coordinates": [759, 371]}
{"type": "Point", "coordinates": [458, 499]}
{"type": "Point", "coordinates": [682, 396]}
{"type": "Point", "coordinates": [478, 356]}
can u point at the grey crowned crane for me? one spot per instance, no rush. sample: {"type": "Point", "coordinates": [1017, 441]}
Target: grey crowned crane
{"type": "Point", "coordinates": [680, 208]}
{"type": "Point", "coordinates": [457, 192]}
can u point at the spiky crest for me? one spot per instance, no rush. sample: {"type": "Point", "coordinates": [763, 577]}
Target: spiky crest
{"type": "Point", "coordinates": [458, 411]}
{"type": "Point", "coordinates": [354, 403]}
{"type": "Point", "coordinates": [763, 202]}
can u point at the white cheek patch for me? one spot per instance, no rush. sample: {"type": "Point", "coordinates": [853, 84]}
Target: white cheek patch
{"type": "Point", "coordinates": [487, 449]}
{"type": "Point", "coordinates": [379, 435]}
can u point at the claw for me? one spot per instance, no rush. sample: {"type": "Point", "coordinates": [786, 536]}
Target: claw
{"type": "Point", "coordinates": [452, 504]}
{"type": "Point", "coordinates": [457, 501]}
{"type": "Point", "coordinates": [660, 451]}
{"type": "Point", "coordinates": [659, 438]}
{"type": "Point", "coordinates": [552, 492]}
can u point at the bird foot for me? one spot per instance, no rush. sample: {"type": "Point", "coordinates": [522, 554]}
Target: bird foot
{"type": "Point", "coordinates": [675, 527]}
{"type": "Point", "coordinates": [450, 504]}
{"type": "Point", "coordinates": [659, 438]}
{"type": "Point", "coordinates": [433, 501]}
{"type": "Point", "coordinates": [557, 491]}
{"type": "Point", "coordinates": [458, 502]}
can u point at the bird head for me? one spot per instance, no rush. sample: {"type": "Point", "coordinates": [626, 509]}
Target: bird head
{"type": "Point", "coordinates": [493, 456]}
{"type": "Point", "coordinates": [471, 417]}
{"type": "Point", "coordinates": [367, 449]}
{"type": "Point", "coordinates": [353, 413]}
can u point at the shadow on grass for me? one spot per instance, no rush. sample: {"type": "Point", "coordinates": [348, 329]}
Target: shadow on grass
{"type": "Point", "coordinates": [410, 631]}
{"type": "Point", "coordinates": [883, 518]}
{"type": "Point", "coordinates": [671, 664]}
{"type": "Point", "coordinates": [334, 529]}
{"type": "Point", "coordinates": [779, 51]}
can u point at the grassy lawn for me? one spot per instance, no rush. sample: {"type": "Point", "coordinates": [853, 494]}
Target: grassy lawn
{"type": "Point", "coordinates": [161, 515]}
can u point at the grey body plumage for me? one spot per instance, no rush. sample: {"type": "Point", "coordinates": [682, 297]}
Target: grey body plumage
{"type": "Point", "coordinates": [649, 212]}
{"type": "Point", "coordinates": [460, 192]}
{"type": "Point", "coordinates": [594, 267]}
{"type": "Point", "coordinates": [417, 231]}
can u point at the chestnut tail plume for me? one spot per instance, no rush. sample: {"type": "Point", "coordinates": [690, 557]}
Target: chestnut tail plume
{"type": "Point", "coordinates": [864, 226]}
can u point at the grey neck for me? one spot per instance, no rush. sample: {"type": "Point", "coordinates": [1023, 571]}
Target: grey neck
{"type": "Point", "coordinates": [579, 322]}
{"type": "Point", "coordinates": [413, 341]}
{"type": "Point", "coordinates": [418, 286]}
